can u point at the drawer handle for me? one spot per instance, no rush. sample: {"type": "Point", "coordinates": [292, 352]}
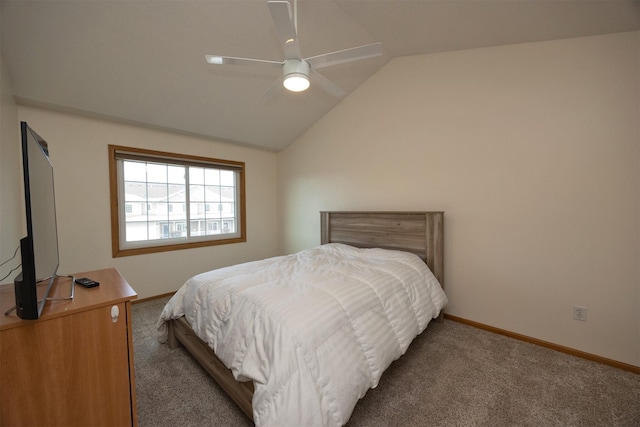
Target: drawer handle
{"type": "Point", "coordinates": [115, 312]}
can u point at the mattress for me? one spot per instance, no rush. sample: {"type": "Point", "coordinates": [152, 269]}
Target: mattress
{"type": "Point", "coordinates": [313, 330]}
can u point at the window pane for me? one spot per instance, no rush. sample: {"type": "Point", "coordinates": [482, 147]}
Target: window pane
{"type": "Point", "coordinates": [196, 175]}
{"type": "Point", "coordinates": [228, 194]}
{"type": "Point", "coordinates": [226, 210]}
{"type": "Point", "coordinates": [176, 174]}
{"type": "Point", "coordinates": [212, 177]}
{"type": "Point", "coordinates": [135, 191]}
{"type": "Point", "coordinates": [196, 193]}
{"type": "Point", "coordinates": [212, 194]}
{"type": "Point", "coordinates": [136, 231]}
{"type": "Point", "coordinates": [135, 171]}
{"type": "Point", "coordinates": [177, 192]}
{"type": "Point", "coordinates": [227, 178]}
{"type": "Point", "coordinates": [156, 172]}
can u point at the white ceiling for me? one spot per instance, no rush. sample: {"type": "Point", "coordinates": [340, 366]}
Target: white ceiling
{"type": "Point", "coordinates": [142, 61]}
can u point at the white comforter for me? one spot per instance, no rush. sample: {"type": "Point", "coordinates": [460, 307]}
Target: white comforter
{"type": "Point", "coordinates": [314, 330]}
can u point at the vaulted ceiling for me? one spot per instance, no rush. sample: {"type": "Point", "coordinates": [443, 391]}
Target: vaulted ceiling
{"type": "Point", "coordinates": [142, 61]}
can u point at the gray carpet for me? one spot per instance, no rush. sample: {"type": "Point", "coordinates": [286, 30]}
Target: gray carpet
{"type": "Point", "coordinates": [452, 375]}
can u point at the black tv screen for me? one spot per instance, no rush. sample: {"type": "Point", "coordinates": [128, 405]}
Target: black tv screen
{"type": "Point", "coordinates": [39, 249]}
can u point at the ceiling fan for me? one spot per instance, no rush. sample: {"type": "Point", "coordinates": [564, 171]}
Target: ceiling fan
{"type": "Point", "coordinates": [297, 72]}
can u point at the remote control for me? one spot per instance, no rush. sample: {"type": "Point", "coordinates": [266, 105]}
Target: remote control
{"type": "Point", "coordinates": [87, 283]}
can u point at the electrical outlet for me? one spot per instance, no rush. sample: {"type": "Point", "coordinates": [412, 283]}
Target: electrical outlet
{"type": "Point", "coordinates": [580, 313]}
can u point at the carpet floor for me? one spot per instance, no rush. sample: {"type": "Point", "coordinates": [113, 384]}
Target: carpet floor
{"type": "Point", "coordinates": [452, 375]}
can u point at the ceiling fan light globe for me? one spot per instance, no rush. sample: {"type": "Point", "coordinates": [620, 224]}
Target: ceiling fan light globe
{"type": "Point", "coordinates": [296, 82]}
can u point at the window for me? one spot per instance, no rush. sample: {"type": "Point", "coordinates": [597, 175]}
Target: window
{"type": "Point", "coordinates": [163, 201]}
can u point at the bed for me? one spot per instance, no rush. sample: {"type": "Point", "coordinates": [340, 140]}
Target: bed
{"type": "Point", "coordinates": [383, 252]}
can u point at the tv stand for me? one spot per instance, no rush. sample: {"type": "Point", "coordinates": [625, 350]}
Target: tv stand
{"type": "Point", "coordinates": [42, 301]}
{"type": "Point", "coordinates": [74, 365]}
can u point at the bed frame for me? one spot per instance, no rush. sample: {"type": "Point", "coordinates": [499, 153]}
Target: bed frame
{"type": "Point", "coordinates": [421, 233]}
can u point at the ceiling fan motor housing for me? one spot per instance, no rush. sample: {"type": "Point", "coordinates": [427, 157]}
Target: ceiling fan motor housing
{"type": "Point", "coordinates": [296, 69]}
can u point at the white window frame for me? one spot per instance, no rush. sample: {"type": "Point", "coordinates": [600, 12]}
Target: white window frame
{"type": "Point", "coordinates": [120, 247]}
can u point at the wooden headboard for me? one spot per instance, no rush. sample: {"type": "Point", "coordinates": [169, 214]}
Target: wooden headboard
{"type": "Point", "coordinates": [421, 233]}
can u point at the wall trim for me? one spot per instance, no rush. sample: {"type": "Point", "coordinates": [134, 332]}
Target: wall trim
{"type": "Point", "coordinates": [584, 355]}
{"type": "Point", "coordinates": [138, 301]}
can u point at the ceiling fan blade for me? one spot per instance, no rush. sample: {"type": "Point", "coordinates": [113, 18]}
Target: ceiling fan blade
{"type": "Point", "coordinates": [285, 21]}
{"type": "Point", "coordinates": [275, 89]}
{"type": "Point", "coordinates": [230, 60]}
{"type": "Point", "coordinates": [326, 84]}
{"type": "Point", "coordinates": [346, 55]}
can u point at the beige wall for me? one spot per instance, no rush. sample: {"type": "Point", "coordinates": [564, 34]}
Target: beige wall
{"type": "Point", "coordinates": [78, 147]}
{"type": "Point", "coordinates": [11, 199]}
{"type": "Point", "coordinates": [533, 152]}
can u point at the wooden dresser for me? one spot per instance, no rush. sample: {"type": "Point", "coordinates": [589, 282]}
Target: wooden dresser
{"type": "Point", "coordinates": [74, 365]}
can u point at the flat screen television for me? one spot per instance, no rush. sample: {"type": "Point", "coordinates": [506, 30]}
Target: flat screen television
{"type": "Point", "coordinates": [39, 248]}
